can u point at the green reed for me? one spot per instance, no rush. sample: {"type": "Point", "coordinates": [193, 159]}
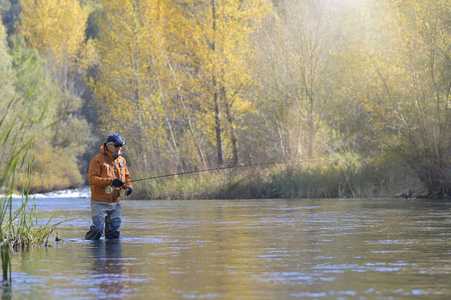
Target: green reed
{"type": "Point", "coordinates": [19, 228]}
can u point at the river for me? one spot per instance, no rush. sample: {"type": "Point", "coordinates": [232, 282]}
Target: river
{"type": "Point", "coordinates": [243, 249]}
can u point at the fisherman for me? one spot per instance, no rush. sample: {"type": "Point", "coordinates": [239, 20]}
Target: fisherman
{"type": "Point", "coordinates": [108, 175]}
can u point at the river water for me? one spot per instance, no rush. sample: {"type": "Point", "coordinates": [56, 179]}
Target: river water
{"type": "Point", "coordinates": [244, 249]}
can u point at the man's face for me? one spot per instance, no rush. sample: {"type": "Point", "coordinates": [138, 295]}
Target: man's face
{"type": "Point", "coordinates": [114, 148]}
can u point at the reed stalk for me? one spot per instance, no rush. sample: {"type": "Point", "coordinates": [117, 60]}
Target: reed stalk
{"type": "Point", "coordinates": [19, 228]}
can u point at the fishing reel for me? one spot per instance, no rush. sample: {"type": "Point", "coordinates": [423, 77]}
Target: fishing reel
{"type": "Point", "coordinates": [109, 190]}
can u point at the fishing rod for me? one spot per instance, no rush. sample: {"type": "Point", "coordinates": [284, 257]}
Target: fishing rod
{"type": "Point", "coordinates": [208, 170]}
{"type": "Point", "coordinates": [110, 189]}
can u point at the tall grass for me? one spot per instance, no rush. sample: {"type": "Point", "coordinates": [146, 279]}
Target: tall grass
{"type": "Point", "coordinates": [335, 176]}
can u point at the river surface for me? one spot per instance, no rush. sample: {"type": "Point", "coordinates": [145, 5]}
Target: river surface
{"type": "Point", "coordinates": [243, 249]}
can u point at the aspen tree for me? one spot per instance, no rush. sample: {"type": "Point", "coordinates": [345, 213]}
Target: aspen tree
{"type": "Point", "coordinates": [133, 86]}
{"type": "Point", "coordinates": [56, 29]}
{"type": "Point", "coordinates": [220, 48]}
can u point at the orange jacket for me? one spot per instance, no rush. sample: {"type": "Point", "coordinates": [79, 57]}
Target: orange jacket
{"type": "Point", "coordinates": [103, 169]}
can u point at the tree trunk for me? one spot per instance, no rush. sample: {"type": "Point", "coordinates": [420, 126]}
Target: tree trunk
{"type": "Point", "coordinates": [230, 120]}
{"type": "Point", "coordinates": [218, 130]}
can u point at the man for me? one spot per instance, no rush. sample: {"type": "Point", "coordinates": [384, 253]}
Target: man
{"type": "Point", "coordinates": [108, 174]}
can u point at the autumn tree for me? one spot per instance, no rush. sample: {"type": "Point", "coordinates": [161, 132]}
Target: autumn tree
{"type": "Point", "coordinates": [57, 30]}
{"type": "Point", "coordinates": [219, 44]}
{"type": "Point", "coordinates": [133, 83]}
{"type": "Point", "coordinates": [163, 83]}
{"type": "Point", "coordinates": [407, 91]}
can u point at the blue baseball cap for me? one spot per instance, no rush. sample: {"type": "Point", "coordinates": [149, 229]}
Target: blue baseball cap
{"type": "Point", "coordinates": [115, 138]}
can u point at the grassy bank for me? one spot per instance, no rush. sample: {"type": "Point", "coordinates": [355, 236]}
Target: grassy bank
{"type": "Point", "coordinates": [335, 176]}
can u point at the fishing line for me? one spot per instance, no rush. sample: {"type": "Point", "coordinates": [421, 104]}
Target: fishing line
{"type": "Point", "coordinates": [208, 170]}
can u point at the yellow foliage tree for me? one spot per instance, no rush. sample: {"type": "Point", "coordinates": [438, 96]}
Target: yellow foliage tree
{"type": "Point", "coordinates": [219, 43]}
{"type": "Point", "coordinates": [57, 30]}
{"type": "Point", "coordinates": [169, 69]}
{"type": "Point", "coordinates": [133, 70]}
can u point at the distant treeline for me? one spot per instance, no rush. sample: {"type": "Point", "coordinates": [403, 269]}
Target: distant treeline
{"type": "Point", "coordinates": [192, 85]}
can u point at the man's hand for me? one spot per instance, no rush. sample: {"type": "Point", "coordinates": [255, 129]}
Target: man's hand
{"type": "Point", "coordinates": [128, 191]}
{"type": "Point", "coordinates": [118, 183]}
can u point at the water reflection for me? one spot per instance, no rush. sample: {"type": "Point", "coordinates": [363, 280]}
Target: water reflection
{"type": "Point", "coordinates": [7, 292]}
{"type": "Point", "coordinates": [109, 270]}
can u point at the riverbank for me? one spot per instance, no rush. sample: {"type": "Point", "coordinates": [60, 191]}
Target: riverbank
{"type": "Point", "coordinates": [320, 179]}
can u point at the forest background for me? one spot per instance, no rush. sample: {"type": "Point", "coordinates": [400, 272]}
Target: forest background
{"type": "Point", "coordinates": [353, 96]}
